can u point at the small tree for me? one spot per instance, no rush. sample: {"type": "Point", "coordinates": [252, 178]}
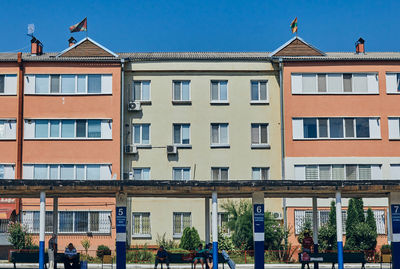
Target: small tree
{"type": "Point", "coordinates": [86, 244]}
{"type": "Point", "coordinates": [18, 236]}
{"type": "Point", "coordinates": [327, 233]}
{"type": "Point", "coordinates": [190, 239]}
{"type": "Point", "coordinates": [370, 220]}
{"type": "Point", "coordinates": [225, 241]}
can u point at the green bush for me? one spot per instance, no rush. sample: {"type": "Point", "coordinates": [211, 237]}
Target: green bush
{"type": "Point", "coordinates": [140, 255]}
{"type": "Point", "coordinates": [167, 243]}
{"type": "Point", "coordinates": [305, 229]}
{"type": "Point", "coordinates": [190, 239]}
{"type": "Point", "coordinates": [327, 233]}
{"type": "Point", "coordinates": [101, 249]}
{"type": "Point", "coordinates": [225, 242]}
{"type": "Point", "coordinates": [19, 237]}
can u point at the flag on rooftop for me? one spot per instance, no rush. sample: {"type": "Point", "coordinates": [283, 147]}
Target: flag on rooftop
{"type": "Point", "coordinates": [293, 25]}
{"type": "Point", "coordinates": [81, 26]}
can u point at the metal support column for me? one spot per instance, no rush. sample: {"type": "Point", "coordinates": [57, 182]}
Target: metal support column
{"type": "Point", "coordinates": [207, 220]}
{"type": "Point", "coordinates": [339, 229]}
{"type": "Point", "coordinates": [215, 228]}
{"type": "Point", "coordinates": [258, 229]}
{"type": "Point", "coordinates": [42, 220]}
{"type": "Point", "coordinates": [315, 227]}
{"type": "Point", "coordinates": [121, 230]}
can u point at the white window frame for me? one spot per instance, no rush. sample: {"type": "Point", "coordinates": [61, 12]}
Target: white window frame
{"type": "Point", "coordinates": [260, 171]}
{"type": "Point", "coordinates": [259, 101]}
{"type": "Point", "coordinates": [181, 169]}
{"type": "Point", "coordinates": [140, 215]}
{"type": "Point", "coordinates": [220, 224]}
{"type": "Point", "coordinates": [219, 172]}
{"type": "Point", "coordinates": [375, 170]}
{"type": "Point", "coordinates": [372, 87]}
{"type": "Point", "coordinates": [219, 101]}
{"type": "Point", "coordinates": [180, 144]}
{"type": "Point", "coordinates": [180, 82]}
{"type": "Point", "coordinates": [10, 84]}
{"type": "Point", "coordinates": [219, 144]}
{"type": "Point", "coordinates": [105, 171]}
{"type": "Point", "coordinates": [141, 134]}
{"type": "Point", "coordinates": [391, 82]}
{"type": "Point", "coordinates": [374, 128]}
{"type": "Point", "coordinates": [141, 169]}
{"type": "Point", "coordinates": [259, 144]}
{"type": "Point", "coordinates": [181, 214]}
{"type": "Point", "coordinates": [9, 129]}
{"type": "Point", "coordinates": [141, 91]}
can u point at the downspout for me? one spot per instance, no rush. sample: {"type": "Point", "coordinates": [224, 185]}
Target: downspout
{"type": "Point", "coordinates": [282, 142]}
{"type": "Point", "coordinates": [121, 175]}
{"type": "Point", "coordinates": [20, 125]}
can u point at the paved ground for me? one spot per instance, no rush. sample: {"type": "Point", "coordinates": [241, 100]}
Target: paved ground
{"type": "Point", "coordinates": [6, 265]}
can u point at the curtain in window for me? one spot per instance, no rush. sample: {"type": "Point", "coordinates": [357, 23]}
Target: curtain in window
{"type": "Point", "coordinates": [185, 90]}
{"type": "Point", "coordinates": [42, 84]}
{"type": "Point", "coordinates": [36, 221]}
{"type": "Point", "coordinates": [263, 90]}
{"type": "Point", "coordinates": [137, 90]}
{"type": "Point", "coordinates": [54, 128]}
{"type": "Point", "coordinates": [360, 83]}
{"type": "Point", "coordinates": [338, 172]}
{"type": "Point", "coordinates": [145, 134]}
{"type": "Point", "coordinates": [177, 174]}
{"type": "Point", "coordinates": [137, 174]}
{"type": "Point", "coordinates": [321, 82]}
{"type": "Point", "coordinates": [311, 172]}
{"type": "Point", "coordinates": [336, 127]}
{"type": "Point", "coordinates": [380, 221]}
{"type": "Point", "coordinates": [223, 87]}
{"type": "Point", "coordinates": [351, 172]}
{"type": "Point", "coordinates": [53, 171]}
{"type": "Point", "coordinates": [224, 173]}
{"type": "Point", "coordinates": [67, 171]}
{"type": "Point", "coordinates": [323, 128]}
{"type": "Point", "coordinates": [214, 91]}
{"type": "Point", "coordinates": [254, 91]}
{"type": "Point", "coordinates": [264, 134]}
{"type": "Point", "coordinates": [177, 133]}
{"type": "Point", "coordinates": [1, 171]}
{"type": "Point", "coordinates": [81, 128]}
{"type": "Point", "coordinates": [256, 174]}
{"type": "Point", "coordinates": [398, 82]}
{"type": "Point", "coordinates": [54, 83]}
{"type": "Point", "coordinates": [223, 129]}
{"type": "Point", "coordinates": [364, 172]}
{"type": "Point", "coordinates": [66, 222]}
{"type": "Point", "coordinates": [80, 172]}
{"type": "Point", "coordinates": [136, 224]}
{"type": "Point", "coordinates": [94, 83]}
{"type": "Point", "coordinates": [40, 171]}
{"type": "Point", "coordinates": [309, 83]}
{"type": "Point", "coordinates": [81, 84]}
{"type": "Point", "coordinates": [81, 221]}
{"type": "Point", "coordinates": [264, 173]}
{"type": "Point", "coordinates": [347, 85]}
{"type": "Point", "coordinates": [177, 223]}
{"type": "Point", "coordinates": [94, 128]}
{"type": "Point", "coordinates": [94, 221]}
{"type": "Point", "coordinates": [136, 133]}
{"type": "Point", "coordinates": [93, 172]}
{"type": "Point", "coordinates": [186, 173]}
{"type": "Point", "coordinates": [146, 174]}
{"type": "Point", "coordinates": [146, 90]}
{"type": "Point", "coordinates": [68, 83]}
{"type": "Point", "coordinates": [177, 90]}
{"type": "Point", "coordinates": [186, 220]}
{"type": "Point", "coordinates": [48, 222]}
{"type": "Point", "coordinates": [185, 134]}
{"type": "Point", "coordinates": [349, 127]}
{"type": "Point", "coordinates": [2, 129]}
{"type": "Point", "coordinates": [67, 128]}
{"type": "Point", "coordinates": [325, 172]}
{"type": "Point", "coordinates": [41, 128]}
{"type": "Point", "coordinates": [146, 223]}
{"type": "Point", "coordinates": [335, 83]}
{"type": "Point", "coordinates": [214, 134]}
{"type": "Point", "coordinates": [215, 173]}
{"type": "Point", "coordinates": [255, 134]}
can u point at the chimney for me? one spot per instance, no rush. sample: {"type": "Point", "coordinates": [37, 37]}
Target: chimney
{"type": "Point", "coordinates": [36, 47]}
{"type": "Point", "coordinates": [71, 41]}
{"type": "Point", "coordinates": [360, 46]}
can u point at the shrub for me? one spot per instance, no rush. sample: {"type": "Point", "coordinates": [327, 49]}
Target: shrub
{"type": "Point", "coordinates": [19, 237]}
{"type": "Point", "coordinates": [305, 229]}
{"type": "Point", "coordinates": [190, 239]}
{"type": "Point", "coordinates": [86, 244]}
{"type": "Point", "coordinates": [225, 242]}
{"type": "Point", "coordinates": [102, 250]}
{"type": "Point", "coordinates": [167, 243]}
{"type": "Point", "coordinates": [139, 255]}
{"type": "Point", "coordinates": [327, 233]}
{"type": "Point", "coordinates": [386, 249]}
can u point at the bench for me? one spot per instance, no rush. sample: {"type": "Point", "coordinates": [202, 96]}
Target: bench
{"type": "Point", "coordinates": [348, 257]}
{"type": "Point", "coordinates": [188, 258]}
{"type": "Point", "coordinates": [27, 257]}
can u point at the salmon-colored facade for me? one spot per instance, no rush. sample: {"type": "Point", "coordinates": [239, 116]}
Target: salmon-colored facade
{"type": "Point", "coordinates": [78, 116]}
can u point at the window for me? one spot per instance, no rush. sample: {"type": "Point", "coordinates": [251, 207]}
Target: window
{"type": "Point", "coordinates": [260, 173]}
{"type": "Point", "coordinates": [219, 173]}
{"type": "Point", "coordinates": [8, 129]}
{"type": "Point", "coordinates": [393, 82]}
{"type": "Point", "coordinates": [68, 84]}
{"type": "Point", "coordinates": [141, 91]}
{"type": "Point", "coordinates": [219, 134]}
{"type": "Point", "coordinates": [8, 84]}
{"type": "Point", "coordinates": [70, 221]}
{"type": "Point", "coordinates": [259, 134]}
{"type": "Point", "coordinates": [322, 83]}
{"type": "Point", "coordinates": [2, 83]}
{"type": "Point", "coordinates": [68, 171]}
{"type": "Point", "coordinates": [223, 218]}
{"type": "Point", "coordinates": [181, 90]}
{"type": "Point", "coordinates": [394, 128]}
{"type": "Point", "coordinates": [141, 134]}
{"type": "Point", "coordinates": [219, 91]}
{"type": "Point", "coordinates": [182, 134]}
{"type": "Point", "coordinates": [259, 91]}
{"type": "Point", "coordinates": [180, 222]}
{"type": "Point", "coordinates": [68, 129]}
{"type": "Point", "coordinates": [2, 129]}
{"type": "Point", "coordinates": [141, 173]}
{"type": "Point", "coordinates": [141, 225]}
{"type": "Point", "coordinates": [338, 172]}
{"type": "Point", "coordinates": [336, 128]}
{"type": "Point", "coordinates": [181, 173]}
{"type": "Point", "coordinates": [1, 171]}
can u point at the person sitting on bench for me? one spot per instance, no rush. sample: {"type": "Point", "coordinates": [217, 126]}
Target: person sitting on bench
{"type": "Point", "coordinates": [71, 257]}
{"type": "Point", "coordinates": [199, 257]}
{"type": "Point", "coordinates": [161, 257]}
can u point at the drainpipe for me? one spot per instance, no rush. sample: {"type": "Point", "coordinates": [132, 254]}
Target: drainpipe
{"type": "Point", "coordinates": [282, 142]}
{"type": "Point", "coordinates": [20, 125]}
{"type": "Point", "coordinates": [121, 175]}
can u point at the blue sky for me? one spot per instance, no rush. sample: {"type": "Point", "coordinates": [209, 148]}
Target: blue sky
{"type": "Point", "coordinates": [202, 25]}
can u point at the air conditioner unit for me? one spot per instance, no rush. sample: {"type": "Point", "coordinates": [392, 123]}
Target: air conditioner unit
{"type": "Point", "coordinates": [130, 149]}
{"type": "Point", "coordinates": [134, 106]}
{"type": "Point", "coordinates": [277, 215]}
{"type": "Point", "coordinates": [172, 149]}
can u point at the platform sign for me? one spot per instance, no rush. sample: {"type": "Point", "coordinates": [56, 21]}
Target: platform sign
{"type": "Point", "coordinates": [258, 218]}
{"type": "Point", "coordinates": [121, 219]}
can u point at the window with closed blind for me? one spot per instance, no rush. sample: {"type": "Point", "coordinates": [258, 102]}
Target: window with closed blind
{"type": "Point", "coordinates": [259, 135]}
{"type": "Point", "coordinates": [259, 92]}
{"type": "Point", "coordinates": [338, 172]}
{"type": "Point", "coordinates": [219, 135]}
{"type": "Point", "coordinates": [141, 91]}
{"type": "Point", "coordinates": [181, 220]}
{"type": "Point", "coordinates": [141, 225]}
{"type": "Point", "coordinates": [219, 173]}
{"type": "Point", "coordinates": [335, 83]}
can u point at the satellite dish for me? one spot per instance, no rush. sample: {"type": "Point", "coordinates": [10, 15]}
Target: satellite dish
{"type": "Point", "coordinates": [31, 29]}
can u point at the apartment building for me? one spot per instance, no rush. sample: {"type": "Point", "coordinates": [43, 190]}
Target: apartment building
{"type": "Point", "coordinates": [197, 116]}
{"type": "Point", "coordinates": [341, 122]}
{"type": "Point", "coordinates": [60, 119]}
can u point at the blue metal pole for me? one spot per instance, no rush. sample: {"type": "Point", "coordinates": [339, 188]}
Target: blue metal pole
{"type": "Point", "coordinates": [121, 231]}
{"type": "Point", "coordinates": [42, 219]}
{"type": "Point", "coordinates": [258, 229]}
{"type": "Point", "coordinates": [395, 216]}
{"type": "Point", "coordinates": [315, 228]}
{"type": "Point", "coordinates": [339, 228]}
{"type": "Point", "coordinates": [215, 228]}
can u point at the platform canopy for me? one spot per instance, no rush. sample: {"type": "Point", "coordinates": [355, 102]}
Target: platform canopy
{"type": "Point", "coordinates": [197, 188]}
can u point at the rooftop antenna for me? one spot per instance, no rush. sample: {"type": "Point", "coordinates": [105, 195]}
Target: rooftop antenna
{"type": "Point", "coordinates": [31, 30]}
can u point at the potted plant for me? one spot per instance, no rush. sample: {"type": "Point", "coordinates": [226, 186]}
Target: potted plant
{"type": "Point", "coordinates": [386, 253]}
{"type": "Point", "coordinates": [103, 250]}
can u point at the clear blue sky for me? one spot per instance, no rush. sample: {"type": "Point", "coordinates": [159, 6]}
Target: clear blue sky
{"type": "Point", "coordinates": [202, 25]}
